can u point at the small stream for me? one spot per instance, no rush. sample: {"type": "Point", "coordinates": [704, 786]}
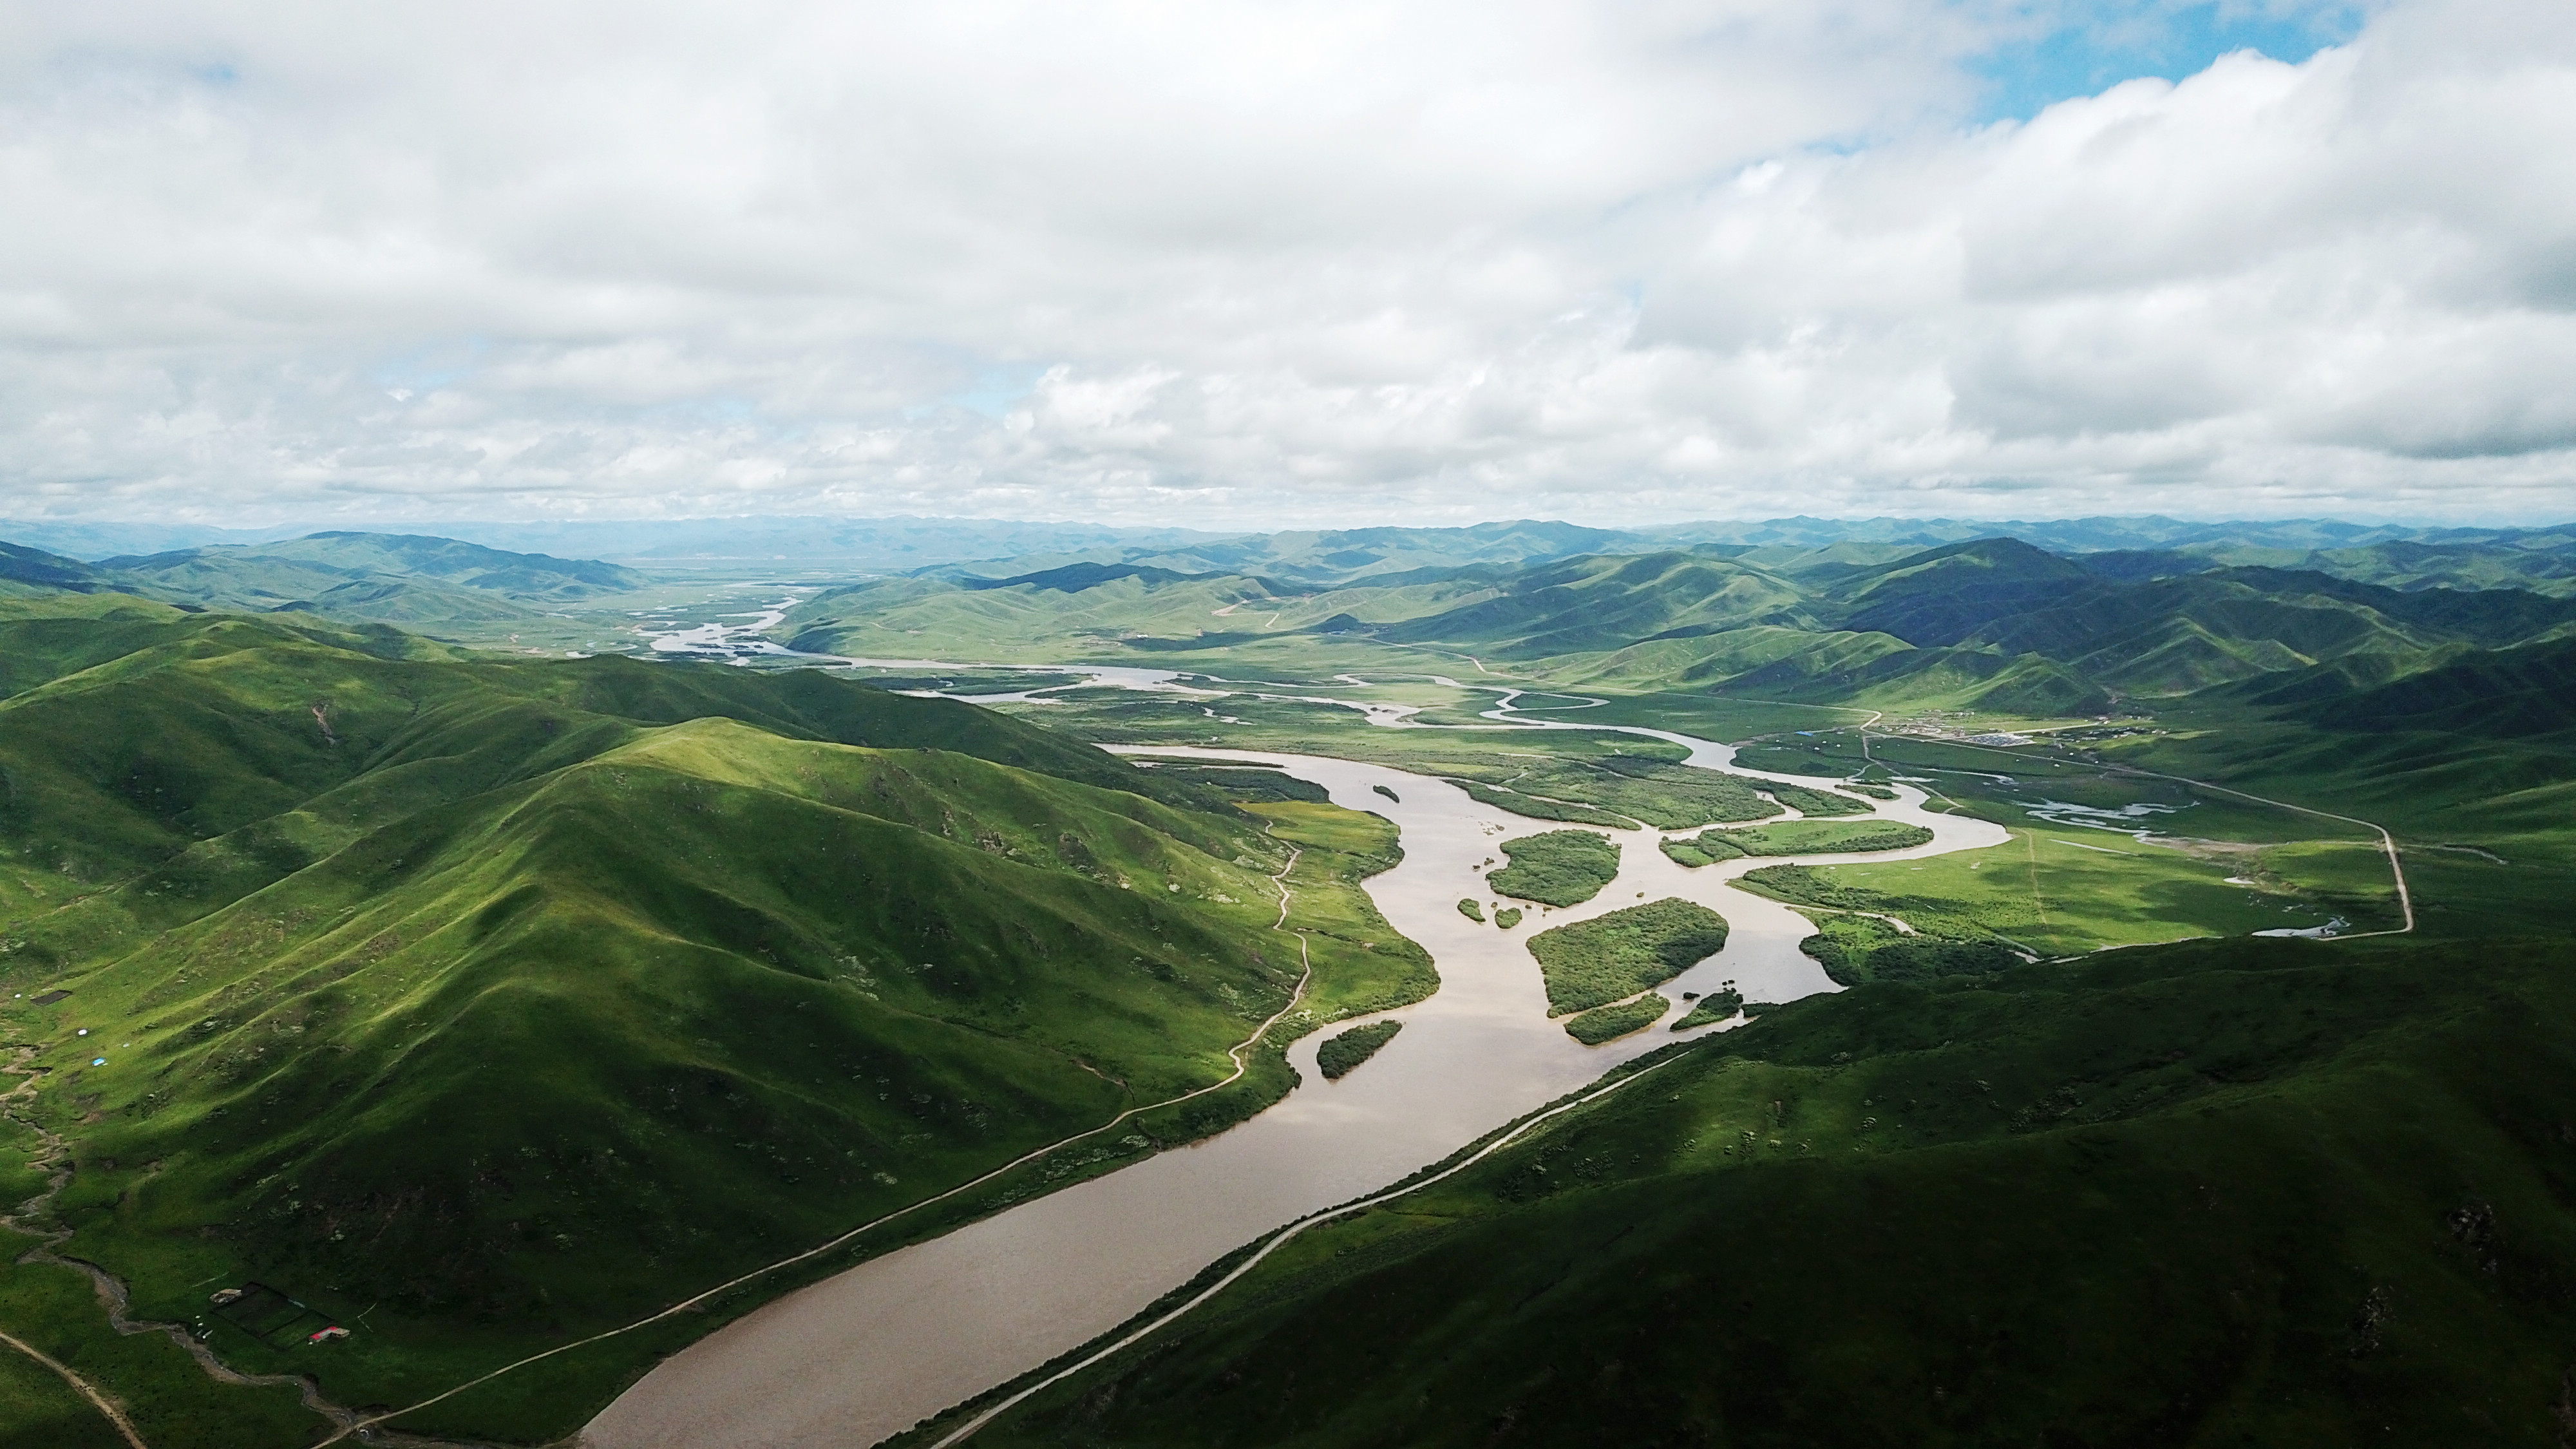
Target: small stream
{"type": "Point", "coordinates": [872, 1351]}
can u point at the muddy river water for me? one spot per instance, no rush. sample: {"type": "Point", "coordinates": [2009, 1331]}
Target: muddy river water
{"type": "Point", "coordinates": [870, 1352]}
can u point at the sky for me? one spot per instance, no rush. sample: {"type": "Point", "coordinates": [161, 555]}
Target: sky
{"type": "Point", "coordinates": [1256, 265]}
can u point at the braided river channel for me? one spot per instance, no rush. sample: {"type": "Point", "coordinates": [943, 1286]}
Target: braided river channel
{"type": "Point", "coordinates": [871, 1352]}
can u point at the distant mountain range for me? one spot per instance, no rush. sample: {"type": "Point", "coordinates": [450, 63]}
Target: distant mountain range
{"type": "Point", "coordinates": [382, 578]}
{"type": "Point", "coordinates": [1991, 625]}
{"type": "Point", "coordinates": [2399, 554]}
{"type": "Point", "coordinates": [1999, 625]}
{"type": "Point", "coordinates": [870, 544]}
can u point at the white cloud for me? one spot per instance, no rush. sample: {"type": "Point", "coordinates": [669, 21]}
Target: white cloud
{"type": "Point", "coordinates": [1268, 263]}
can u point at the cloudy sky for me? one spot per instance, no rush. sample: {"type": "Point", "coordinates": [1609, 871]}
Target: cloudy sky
{"type": "Point", "coordinates": [1253, 264]}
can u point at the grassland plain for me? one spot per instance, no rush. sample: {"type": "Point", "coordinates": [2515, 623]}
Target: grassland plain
{"type": "Point", "coordinates": [2486, 822]}
{"type": "Point", "coordinates": [483, 1001]}
{"type": "Point", "coordinates": [1556, 867]}
{"type": "Point", "coordinates": [1617, 788]}
{"type": "Point", "coordinates": [2320, 1189]}
{"type": "Point", "coordinates": [1595, 962]}
{"type": "Point", "coordinates": [2074, 878]}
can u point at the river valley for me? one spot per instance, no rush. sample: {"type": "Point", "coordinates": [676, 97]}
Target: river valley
{"type": "Point", "coordinates": [869, 1353]}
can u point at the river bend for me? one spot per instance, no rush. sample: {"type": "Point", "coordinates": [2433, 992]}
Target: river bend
{"type": "Point", "coordinates": [872, 1351]}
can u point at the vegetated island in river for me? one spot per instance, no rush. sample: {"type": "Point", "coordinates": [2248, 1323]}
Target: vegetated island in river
{"type": "Point", "coordinates": [1337, 1057]}
{"type": "Point", "coordinates": [1718, 1005]}
{"type": "Point", "coordinates": [1604, 1023]}
{"type": "Point", "coordinates": [1558, 868]}
{"type": "Point", "coordinates": [1609, 958]}
{"type": "Point", "coordinates": [1796, 837]}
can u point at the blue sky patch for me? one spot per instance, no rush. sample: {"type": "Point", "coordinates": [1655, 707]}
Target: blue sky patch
{"type": "Point", "coordinates": [2119, 40]}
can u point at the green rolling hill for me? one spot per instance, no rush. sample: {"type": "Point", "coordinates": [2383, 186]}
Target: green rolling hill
{"type": "Point", "coordinates": [1610, 602]}
{"type": "Point", "coordinates": [2541, 561]}
{"type": "Point", "coordinates": [32, 570]}
{"type": "Point", "coordinates": [508, 1001]}
{"type": "Point", "coordinates": [1992, 626]}
{"type": "Point", "coordinates": [2497, 694]}
{"type": "Point", "coordinates": [1981, 681]}
{"type": "Point", "coordinates": [1942, 596]}
{"type": "Point", "coordinates": [1723, 655]}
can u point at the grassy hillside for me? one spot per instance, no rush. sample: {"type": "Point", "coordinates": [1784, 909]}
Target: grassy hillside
{"type": "Point", "coordinates": [528, 576]}
{"type": "Point", "coordinates": [2467, 560]}
{"type": "Point", "coordinates": [1588, 604]}
{"type": "Point", "coordinates": [1942, 595]}
{"type": "Point", "coordinates": [1718, 658]}
{"type": "Point", "coordinates": [2489, 694]}
{"type": "Point", "coordinates": [33, 566]}
{"type": "Point", "coordinates": [1964, 680]}
{"type": "Point", "coordinates": [2251, 1193]}
{"type": "Point", "coordinates": [505, 1002]}
{"type": "Point", "coordinates": [46, 636]}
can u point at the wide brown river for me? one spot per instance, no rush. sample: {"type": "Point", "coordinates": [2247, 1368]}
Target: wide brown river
{"type": "Point", "coordinates": [869, 1353]}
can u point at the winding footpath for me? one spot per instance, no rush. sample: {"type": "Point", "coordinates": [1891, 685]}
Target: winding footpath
{"type": "Point", "coordinates": [30, 1219]}
{"type": "Point", "coordinates": [99, 1401]}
